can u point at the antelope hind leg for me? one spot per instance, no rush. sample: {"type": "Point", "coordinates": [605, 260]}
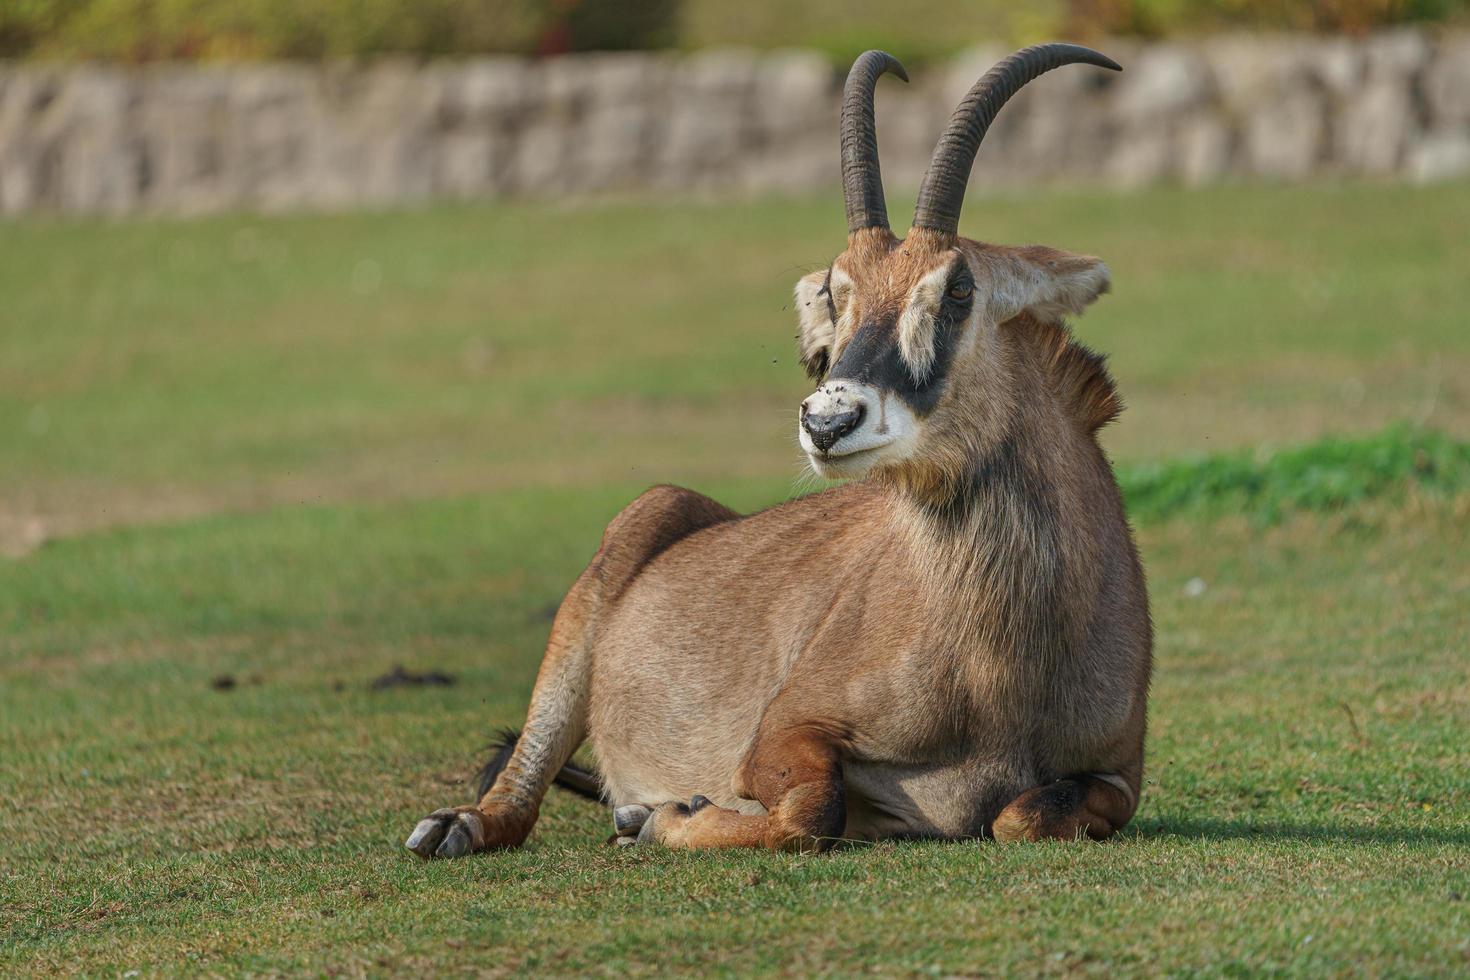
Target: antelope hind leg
{"type": "Point", "coordinates": [1094, 805]}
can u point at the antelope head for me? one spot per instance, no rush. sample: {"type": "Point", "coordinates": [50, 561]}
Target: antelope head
{"type": "Point", "coordinates": [905, 337]}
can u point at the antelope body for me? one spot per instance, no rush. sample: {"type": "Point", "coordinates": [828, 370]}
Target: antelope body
{"type": "Point", "coordinates": [954, 644]}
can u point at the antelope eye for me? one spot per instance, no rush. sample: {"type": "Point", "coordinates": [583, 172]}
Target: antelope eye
{"type": "Point", "coordinates": [961, 291]}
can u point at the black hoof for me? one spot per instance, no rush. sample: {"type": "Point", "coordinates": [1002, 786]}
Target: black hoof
{"type": "Point", "coordinates": [628, 820]}
{"type": "Point", "coordinates": [457, 843]}
{"type": "Point", "coordinates": [426, 837]}
{"type": "Point", "coordinates": [698, 803]}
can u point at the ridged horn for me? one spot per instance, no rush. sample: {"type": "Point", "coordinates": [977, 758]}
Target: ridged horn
{"type": "Point", "coordinates": [942, 193]}
{"type": "Point", "coordinates": [862, 182]}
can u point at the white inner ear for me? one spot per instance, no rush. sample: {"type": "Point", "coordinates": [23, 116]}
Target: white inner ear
{"type": "Point", "coordinates": [1053, 290]}
{"type": "Point", "coordinates": [812, 315]}
{"type": "Point", "coordinates": [1070, 291]}
{"type": "Point", "coordinates": [916, 323]}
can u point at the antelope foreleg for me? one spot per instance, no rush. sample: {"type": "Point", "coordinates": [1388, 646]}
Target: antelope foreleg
{"type": "Point", "coordinates": [795, 776]}
{"type": "Point", "coordinates": [554, 728]}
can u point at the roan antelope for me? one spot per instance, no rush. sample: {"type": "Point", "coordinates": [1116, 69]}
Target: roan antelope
{"type": "Point", "coordinates": [956, 643]}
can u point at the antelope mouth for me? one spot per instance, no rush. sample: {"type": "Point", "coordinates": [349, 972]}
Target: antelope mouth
{"type": "Point", "coordinates": [837, 453]}
{"type": "Point", "coordinates": [837, 462]}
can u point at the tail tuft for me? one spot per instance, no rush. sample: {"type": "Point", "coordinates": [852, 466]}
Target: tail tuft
{"type": "Point", "coordinates": [584, 782]}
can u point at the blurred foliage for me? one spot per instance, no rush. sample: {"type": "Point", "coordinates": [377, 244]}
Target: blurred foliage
{"type": "Point", "coordinates": [150, 30]}
{"type": "Point", "coordinates": [1323, 476]}
{"type": "Point", "coordinates": [1153, 18]}
{"type": "Point", "coordinates": [919, 30]}
{"type": "Point", "coordinates": [915, 31]}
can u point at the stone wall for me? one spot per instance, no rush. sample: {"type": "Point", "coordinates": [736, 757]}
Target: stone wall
{"type": "Point", "coordinates": [201, 138]}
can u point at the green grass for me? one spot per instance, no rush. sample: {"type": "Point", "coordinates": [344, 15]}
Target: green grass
{"type": "Point", "coordinates": [299, 451]}
{"type": "Point", "coordinates": [248, 362]}
{"type": "Point", "coordinates": [1324, 476]}
{"type": "Point", "coordinates": [1306, 767]}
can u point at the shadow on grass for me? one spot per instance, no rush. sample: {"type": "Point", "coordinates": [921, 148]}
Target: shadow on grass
{"type": "Point", "coordinates": [1321, 833]}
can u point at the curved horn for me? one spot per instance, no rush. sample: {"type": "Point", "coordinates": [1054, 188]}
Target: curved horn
{"type": "Point", "coordinates": [942, 193]}
{"type": "Point", "coordinates": [862, 183]}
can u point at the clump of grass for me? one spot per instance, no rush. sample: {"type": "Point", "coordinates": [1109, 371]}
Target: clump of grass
{"type": "Point", "coordinates": [1323, 476]}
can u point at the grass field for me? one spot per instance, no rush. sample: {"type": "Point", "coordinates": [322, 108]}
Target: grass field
{"type": "Point", "coordinates": [299, 451]}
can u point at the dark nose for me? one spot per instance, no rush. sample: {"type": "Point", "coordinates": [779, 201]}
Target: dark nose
{"type": "Point", "coordinates": [825, 430]}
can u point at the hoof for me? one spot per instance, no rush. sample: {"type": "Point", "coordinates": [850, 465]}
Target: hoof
{"type": "Point", "coordinates": [447, 833]}
{"type": "Point", "coordinates": [666, 823]}
{"type": "Point", "coordinates": [648, 833]}
{"type": "Point", "coordinates": [628, 820]}
{"type": "Point", "coordinates": [429, 832]}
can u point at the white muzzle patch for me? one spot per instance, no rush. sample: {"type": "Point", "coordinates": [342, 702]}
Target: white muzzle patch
{"type": "Point", "coordinates": [884, 428]}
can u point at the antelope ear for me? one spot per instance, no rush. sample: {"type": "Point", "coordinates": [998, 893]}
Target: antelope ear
{"type": "Point", "coordinates": [817, 334]}
{"type": "Point", "coordinates": [1046, 282]}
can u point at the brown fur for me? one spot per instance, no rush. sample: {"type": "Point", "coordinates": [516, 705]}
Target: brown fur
{"type": "Point", "coordinates": [1068, 809]}
{"type": "Point", "coordinates": [957, 645]}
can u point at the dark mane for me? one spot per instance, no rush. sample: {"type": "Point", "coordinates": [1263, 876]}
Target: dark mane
{"type": "Point", "coordinates": [1082, 377]}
